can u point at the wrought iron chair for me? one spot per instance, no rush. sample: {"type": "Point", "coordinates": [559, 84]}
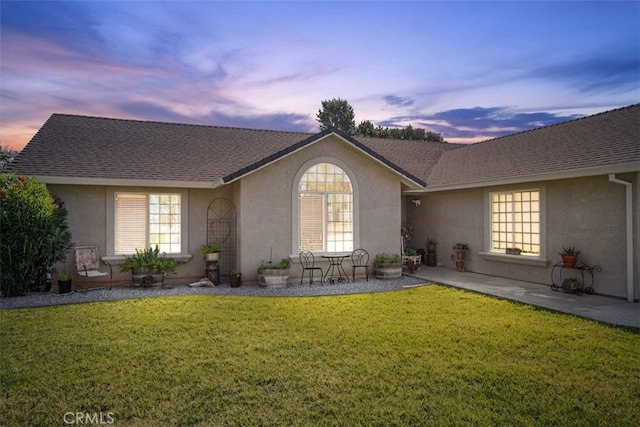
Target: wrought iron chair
{"type": "Point", "coordinates": [309, 263]}
{"type": "Point", "coordinates": [360, 259]}
{"type": "Point", "coordinates": [88, 265]}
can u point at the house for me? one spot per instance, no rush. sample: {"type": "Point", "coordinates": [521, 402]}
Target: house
{"type": "Point", "coordinates": [267, 194]}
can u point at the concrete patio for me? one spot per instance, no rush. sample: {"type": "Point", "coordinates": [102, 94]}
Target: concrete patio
{"type": "Point", "coordinates": [616, 311]}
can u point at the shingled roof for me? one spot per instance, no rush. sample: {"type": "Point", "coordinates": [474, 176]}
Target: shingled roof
{"type": "Point", "coordinates": [94, 150]}
{"type": "Point", "coordinates": [608, 142]}
{"type": "Point", "coordinates": [86, 150]}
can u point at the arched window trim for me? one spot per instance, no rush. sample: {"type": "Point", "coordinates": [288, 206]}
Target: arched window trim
{"type": "Point", "coordinates": [295, 229]}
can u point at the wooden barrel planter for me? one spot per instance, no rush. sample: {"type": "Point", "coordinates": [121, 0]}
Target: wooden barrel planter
{"type": "Point", "coordinates": [273, 277]}
{"type": "Point", "coordinates": [392, 270]}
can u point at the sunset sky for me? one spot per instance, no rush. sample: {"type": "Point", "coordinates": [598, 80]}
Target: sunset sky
{"type": "Point", "coordinates": [468, 70]}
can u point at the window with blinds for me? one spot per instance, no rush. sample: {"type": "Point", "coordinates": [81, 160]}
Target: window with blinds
{"type": "Point", "coordinates": [145, 220]}
{"type": "Point", "coordinates": [325, 209]}
{"type": "Point", "coordinates": [515, 221]}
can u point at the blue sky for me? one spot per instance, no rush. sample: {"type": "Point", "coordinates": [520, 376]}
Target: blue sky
{"type": "Point", "coordinates": [468, 70]}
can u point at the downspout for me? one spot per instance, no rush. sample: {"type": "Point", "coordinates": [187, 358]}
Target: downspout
{"type": "Point", "coordinates": [628, 185]}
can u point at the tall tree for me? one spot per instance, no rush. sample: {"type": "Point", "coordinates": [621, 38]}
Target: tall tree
{"type": "Point", "coordinates": [337, 113]}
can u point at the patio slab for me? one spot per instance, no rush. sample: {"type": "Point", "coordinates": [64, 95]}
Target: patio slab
{"type": "Point", "coordinates": [616, 311]}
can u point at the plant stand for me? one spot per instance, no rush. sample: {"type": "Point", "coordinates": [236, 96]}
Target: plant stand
{"type": "Point", "coordinates": [212, 272]}
{"type": "Point", "coordinates": [431, 259]}
{"type": "Point", "coordinates": [576, 279]}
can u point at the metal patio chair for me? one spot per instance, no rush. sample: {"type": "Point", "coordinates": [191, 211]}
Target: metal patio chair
{"type": "Point", "coordinates": [309, 264]}
{"type": "Point", "coordinates": [360, 259]}
{"type": "Point", "coordinates": [88, 265]}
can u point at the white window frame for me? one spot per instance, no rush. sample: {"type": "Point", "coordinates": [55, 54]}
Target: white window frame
{"type": "Point", "coordinates": [295, 226]}
{"type": "Point", "coordinates": [540, 259]}
{"type": "Point", "coordinates": [519, 219]}
{"type": "Point", "coordinates": [111, 215]}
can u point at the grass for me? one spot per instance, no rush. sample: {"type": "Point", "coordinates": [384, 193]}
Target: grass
{"type": "Point", "coordinates": [425, 356]}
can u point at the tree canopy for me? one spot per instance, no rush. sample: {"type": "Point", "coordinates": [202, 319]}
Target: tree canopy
{"type": "Point", "coordinates": [366, 128]}
{"type": "Point", "coordinates": [338, 113]}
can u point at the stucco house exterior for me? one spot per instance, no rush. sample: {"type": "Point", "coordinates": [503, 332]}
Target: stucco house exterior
{"type": "Point", "coordinates": [268, 194]}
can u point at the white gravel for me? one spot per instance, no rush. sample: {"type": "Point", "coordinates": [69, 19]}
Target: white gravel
{"type": "Point", "coordinates": [41, 299]}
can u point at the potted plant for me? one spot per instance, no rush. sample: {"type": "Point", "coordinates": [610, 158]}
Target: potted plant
{"type": "Point", "coordinates": [235, 279]}
{"type": "Point", "coordinates": [571, 285]}
{"type": "Point", "coordinates": [148, 266]}
{"type": "Point", "coordinates": [274, 275]}
{"type": "Point", "coordinates": [64, 283]}
{"type": "Point", "coordinates": [431, 245]}
{"type": "Point", "coordinates": [412, 255]}
{"type": "Point", "coordinates": [388, 266]}
{"type": "Point", "coordinates": [569, 256]}
{"type": "Point", "coordinates": [460, 256]}
{"type": "Point", "coordinates": [211, 251]}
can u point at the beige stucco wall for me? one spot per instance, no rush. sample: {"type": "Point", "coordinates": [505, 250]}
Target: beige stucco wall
{"type": "Point", "coordinates": [588, 213]}
{"type": "Point", "coordinates": [89, 219]}
{"type": "Point", "coordinates": [264, 205]}
{"type": "Point", "coordinates": [267, 205]}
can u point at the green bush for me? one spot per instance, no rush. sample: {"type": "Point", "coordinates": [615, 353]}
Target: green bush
{"type": "Point", "coordinates": [35, 234]}
{"type": "Point", "coordinates": [282, 265]}
{"type": "Point", "coordinates": [150, 257]}
{"type": "Point", "coordinates": [385, 258]}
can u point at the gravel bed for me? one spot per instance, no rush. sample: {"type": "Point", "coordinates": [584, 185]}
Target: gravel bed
{"type": "Point", "coordinates": [42, 299]}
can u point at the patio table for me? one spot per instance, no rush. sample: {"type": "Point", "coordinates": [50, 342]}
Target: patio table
{"type": "Point", "coordinates": [335, 265]}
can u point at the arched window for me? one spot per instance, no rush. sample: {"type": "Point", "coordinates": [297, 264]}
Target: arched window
{"type": "Point", "coordinates": [325, 210]}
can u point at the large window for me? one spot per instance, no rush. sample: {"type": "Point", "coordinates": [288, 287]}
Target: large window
{"type": "Point", "coordinates": [325, 210]}
{"type": "Point", "coordinates": [515, 221]}
{"type": "Point", "coordinates": [144, 220]}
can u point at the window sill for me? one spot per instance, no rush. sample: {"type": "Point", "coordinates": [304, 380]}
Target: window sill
{"type": "Point", "coordinates": [515, 259]}
{"type": "Point", "coordinates": [119, 259]}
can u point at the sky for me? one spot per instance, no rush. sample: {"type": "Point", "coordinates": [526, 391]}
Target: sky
{"type": "Point", "coordinates": [468, 70]}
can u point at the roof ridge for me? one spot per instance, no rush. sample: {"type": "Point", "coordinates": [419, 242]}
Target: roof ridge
{"type": "Point", "coordinates": [550, 126]}
{"type": "Point", "coordinates": [180, 124]}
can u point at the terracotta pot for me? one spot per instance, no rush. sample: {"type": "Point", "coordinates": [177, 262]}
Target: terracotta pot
{"type": "Point", "coordinates": [460, 254]}
{"type": "Point", "coordinates": [569, 260]}
{"type": "Point", "coordinates": [460, 265]}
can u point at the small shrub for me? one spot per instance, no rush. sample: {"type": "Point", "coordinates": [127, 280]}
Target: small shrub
{"type": "Point", "coordinates": [385, 258]}
{"type": "Point", "coordinates": [282, 265]}
{"type": "Point", "coordinates": [150, 257]}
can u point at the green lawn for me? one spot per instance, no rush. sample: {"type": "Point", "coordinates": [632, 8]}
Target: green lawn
{"type": "Point", "coordinates": [425, 356]}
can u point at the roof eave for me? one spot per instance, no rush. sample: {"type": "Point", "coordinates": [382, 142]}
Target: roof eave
{"type": "Point", "coordinates": [552, 176]}
{"type": "Point", "coordinates": [407, 178]}
{"type": "Point", "coordinates": [69, 180]}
